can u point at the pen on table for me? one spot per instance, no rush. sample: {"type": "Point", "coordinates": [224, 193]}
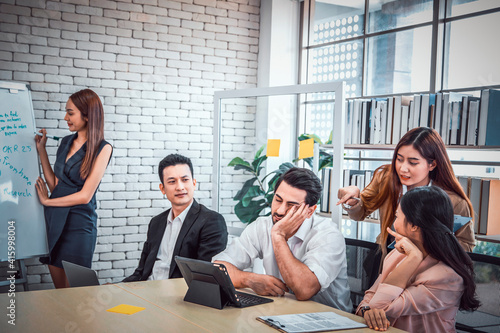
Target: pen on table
{"type": "Point", "coordinates": [49, 136]}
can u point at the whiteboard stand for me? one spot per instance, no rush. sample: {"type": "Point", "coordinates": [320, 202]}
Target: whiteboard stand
{"type": "Point", "coordinates": [21, 273]}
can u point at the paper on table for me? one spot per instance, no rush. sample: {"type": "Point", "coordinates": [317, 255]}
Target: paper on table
{"type": "Point", "coordinates": [126, 309]}
{"type": "Point", "coordinates": [273, 147]}
{"type": "Point", "coordinates": [310, 322]}
{"type": "Point", "coordinates": [306, 148]}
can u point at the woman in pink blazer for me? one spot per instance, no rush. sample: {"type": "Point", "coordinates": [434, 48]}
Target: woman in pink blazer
{"type": "Point", "coordinates": [429, 276]}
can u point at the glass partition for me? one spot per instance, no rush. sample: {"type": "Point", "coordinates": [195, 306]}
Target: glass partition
{"type": "Point", "coordinates": [244, 120]}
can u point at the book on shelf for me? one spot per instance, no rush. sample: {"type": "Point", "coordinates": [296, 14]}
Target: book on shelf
{"type": "Point", "coordinates": [484, 195]}
{"type": "Point", "coordinates": [396, 122]}
{"type": "Point", "coordinates": [489, 118]}
{"type": "Point", "coordinates": [464, 121]}
{"type": "Point", "coordinates": [490, 209]}
{"type": "Point", "coordinates": [460, 119]}
{"type": "Point", "coordinates": [438, 113]}
{"type": "Point", "coordinates": [445, 118]}
{"type": "Point", "coordinates": [404, 119]}
{"type": "Point", "coordinates": [378, 120]}
{"type": "Point", "coordinates": [475, 199]}
{"type": "Point", "coordinates": [473, 124]}
{"type": "Point", "coordinates": [456, 113]}
{"type": "Point", "coordinates": [349, 125]}
{"type": "Point", "coordinates": [431, 116]}
{"type": "Point", "coordinates": [426, 108]}
{"type": "Point", "coordinates": [382, 104]}
{"type": "Point", "coordinates": [326, 177]}
{"type": "Point", "coordinates": [390, 118]}
{"type": "Point", "coordinates": [356, 122]}
{"type": "Point", "coordinates": [365, 122]}
{"type": "Point", "coordinates": [414, 113]}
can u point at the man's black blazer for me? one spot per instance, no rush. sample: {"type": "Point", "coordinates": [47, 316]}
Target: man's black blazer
{"type": "Point", "coordinates": [203, 235]}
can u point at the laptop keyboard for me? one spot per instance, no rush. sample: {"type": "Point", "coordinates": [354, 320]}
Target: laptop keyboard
{"type": "Point", "coordinates": [249, 299]}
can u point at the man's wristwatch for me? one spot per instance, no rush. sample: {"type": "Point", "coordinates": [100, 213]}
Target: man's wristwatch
{"type": "Point", "coordinates": [364, 309]}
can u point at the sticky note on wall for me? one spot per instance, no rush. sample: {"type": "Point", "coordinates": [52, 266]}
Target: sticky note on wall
{"type": "Point", "coordinates": [306, 148]}
{"type": "Point", "coordinates": [273, 147]}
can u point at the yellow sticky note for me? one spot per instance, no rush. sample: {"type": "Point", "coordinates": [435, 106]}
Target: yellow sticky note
{"type": "Point", "coordinates": [273, 147]}
{"type": "Point", "coordinates": [126, 309]}
{"type": "Point", "coordinates": [306, 148]}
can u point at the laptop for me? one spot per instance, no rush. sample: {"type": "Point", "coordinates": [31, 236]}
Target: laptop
{"type": "Point", "coordinates": [209, 284]}
{"type": "Point", "coordinates": [80, 276]}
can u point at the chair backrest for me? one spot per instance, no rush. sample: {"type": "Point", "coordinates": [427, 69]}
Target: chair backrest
{"type": "Point", "coordinates": [487, 317]}
{"type": "Point", "coordinates": [79, 276]}
{"type": "Point", "coordinates": [363, 261]}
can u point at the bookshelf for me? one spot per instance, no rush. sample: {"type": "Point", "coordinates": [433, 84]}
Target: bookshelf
{"type": "Point", "coordinates": [468, 160]}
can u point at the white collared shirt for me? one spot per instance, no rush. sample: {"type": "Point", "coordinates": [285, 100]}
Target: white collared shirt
{"type": "Point", "coordinates": [161, 268]}
{"type": "Point", "coordinates": [318, 244]}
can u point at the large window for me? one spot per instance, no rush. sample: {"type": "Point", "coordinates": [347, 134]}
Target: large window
{"type": "Point", "coordinates": [405, 47]}
{"type": "Point", "coordinates": [382, 47]}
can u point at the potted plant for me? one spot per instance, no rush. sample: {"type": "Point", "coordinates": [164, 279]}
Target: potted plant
{"type": "Point", "coordinates": [254, 197]}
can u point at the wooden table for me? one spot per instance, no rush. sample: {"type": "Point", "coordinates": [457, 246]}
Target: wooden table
{"type": "Point", "coordinates": [84, 310]}
{"type": "Point", "coordinates": [81, 310]}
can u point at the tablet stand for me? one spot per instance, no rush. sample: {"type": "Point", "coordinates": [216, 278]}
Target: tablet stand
{"type": "Point", "coordinates": [206, 293]}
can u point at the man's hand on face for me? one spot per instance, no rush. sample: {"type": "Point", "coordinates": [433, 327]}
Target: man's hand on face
{"type": "Point", "coordinates": [288, 225]}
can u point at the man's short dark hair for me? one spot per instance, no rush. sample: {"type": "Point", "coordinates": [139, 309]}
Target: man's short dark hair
{"type": "Point", "coordinates": [174, 159]}
{"type": "Point", "coordinates": [302, 179]}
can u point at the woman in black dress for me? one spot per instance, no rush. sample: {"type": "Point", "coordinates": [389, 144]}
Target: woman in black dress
{"type": "Point", "coordinates": [70, 211]}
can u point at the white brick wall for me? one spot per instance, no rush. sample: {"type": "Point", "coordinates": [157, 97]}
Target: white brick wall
{"type": "Point", "coordinates": [155, 64]}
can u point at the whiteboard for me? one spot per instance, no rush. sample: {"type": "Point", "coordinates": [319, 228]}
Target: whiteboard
{"type": "Point", "coordinates": [19, 169]}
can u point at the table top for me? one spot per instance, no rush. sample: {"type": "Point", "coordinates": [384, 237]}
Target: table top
{"type": "Point", "coordinates": [84, 309]}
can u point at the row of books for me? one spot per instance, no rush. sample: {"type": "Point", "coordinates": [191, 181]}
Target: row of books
{"type": "Point", "coordinates": [359, 178]}
{"type": "Point", "coordinates": [460, 119]}
{"type": "Point", "coordinates": [484, 194]}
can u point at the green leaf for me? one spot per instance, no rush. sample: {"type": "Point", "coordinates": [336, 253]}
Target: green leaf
{"type": "Point", "coordinates": [325, 163]}
{"type": "Point", "coordinates": [253, 192]}
{"type": "Point", "coordinates": [310, 136]}
{"type": "Point", "coordinates": [257, 162]}
{"type": "Point", "coordinates": [330, 138]}
{"type": "Point", "coordinates": [284, 167]}
{"type": "Point", "coordinates": [309, 161]}
{"type": "Point", "coordinates": [269, 198]}
{"type": "Point", "coordinates": [257, 154]}
{"type": "Point", "coordinates": [241, 193]}
{"type": "Point", "coordinates": [244, 167]}
{"type": "Point", "coordinates": [251, 212]}
{"type": "Point", "coordinates": [238, 161]}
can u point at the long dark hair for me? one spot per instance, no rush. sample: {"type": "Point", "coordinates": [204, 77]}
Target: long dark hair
{"type": "Point", "coordinates": [429, 144]}
{"type": "Point", "coordinates": [91, 108]}
{"type": "Point", "coordinates": [430, 208]}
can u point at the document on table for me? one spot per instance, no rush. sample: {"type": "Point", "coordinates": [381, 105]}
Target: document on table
{"type": "Point", "coordinates": [310, 322]}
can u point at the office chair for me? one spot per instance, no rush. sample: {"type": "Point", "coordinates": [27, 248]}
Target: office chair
{"type": "Point", "coordinates": [363, 261]}
{"type": "Point", "coordinates": [487, 317]}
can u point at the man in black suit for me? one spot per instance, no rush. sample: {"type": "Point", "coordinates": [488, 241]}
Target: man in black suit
{"type": "Point", "coordinates": [188, 229]}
